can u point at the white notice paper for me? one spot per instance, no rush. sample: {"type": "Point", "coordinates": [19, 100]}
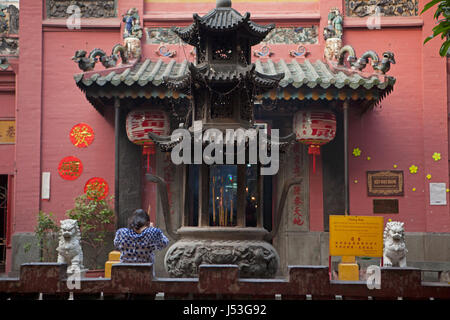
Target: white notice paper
{"type": "Point", "coordinates": [438, 194]}
{"type": "Point", "coordinates": [45, 188]}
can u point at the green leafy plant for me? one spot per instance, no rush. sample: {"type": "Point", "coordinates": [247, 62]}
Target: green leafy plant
{"type": "Point", "coordinates": [96, 219]}
{"type": "Point", "coordinates": [27, 247]}
{"type": "Point", "coordinates": [47, 236]}
{"type": "Point", "coordinates": [442, 28]}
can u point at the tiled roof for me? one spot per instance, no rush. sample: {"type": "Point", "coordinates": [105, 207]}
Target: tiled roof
{"type": "Point", "coordinates": [312, 75]}
{"type": "Point", "coordinates": [223, 74]}
{"type": "Point", "coordinates": [220, 20]}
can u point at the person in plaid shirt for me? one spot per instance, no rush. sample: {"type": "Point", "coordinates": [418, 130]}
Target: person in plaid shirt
{"type": "Point", "coordinates": [138, 242]}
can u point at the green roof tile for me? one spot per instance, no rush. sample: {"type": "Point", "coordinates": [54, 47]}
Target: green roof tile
{"type": "Point", "coordinates": [148, 75]}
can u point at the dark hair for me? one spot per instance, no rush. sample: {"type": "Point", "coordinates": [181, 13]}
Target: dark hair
{"type": "Point", "coordinates": [139, 219]}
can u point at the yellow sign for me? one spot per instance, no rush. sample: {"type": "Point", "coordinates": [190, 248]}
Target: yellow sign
{"type": "Point", "coordinates": [7, 131]}
{"type": "Point", "coordinates": [356, 236]}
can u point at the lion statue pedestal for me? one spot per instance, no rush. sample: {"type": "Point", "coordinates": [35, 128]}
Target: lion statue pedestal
{"type": "Point", "coordinates": [69, 248]}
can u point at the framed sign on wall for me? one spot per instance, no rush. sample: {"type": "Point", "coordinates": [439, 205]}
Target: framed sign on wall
{"type": "Point", "coordinates": [7, 131]}
{"type": "Point", "coordinates": [385, 183]}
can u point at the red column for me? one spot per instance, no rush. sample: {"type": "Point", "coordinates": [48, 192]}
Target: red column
{"type": "Point", "coordinates": [315, 195]}
{"type": "Point", "coordinates": [29, 102]}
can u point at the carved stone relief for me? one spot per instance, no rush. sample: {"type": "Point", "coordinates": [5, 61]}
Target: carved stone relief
{"type": "Point", "coordinates": [89, 8]}
{"type": "Point", "coordinates": [9, 19]}
{"type": "Point", "coordinates": [362, 8]}
{"type": "Point", "coordinates": [256, 259]}
{"type": "Point", "coordinates": [290, 35]}
{"type": "Point", "coordinates": [9, 46]}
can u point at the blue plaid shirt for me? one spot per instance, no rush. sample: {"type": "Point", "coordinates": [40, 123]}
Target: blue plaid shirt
{"type": "Point", "coordinates": [138, 247]}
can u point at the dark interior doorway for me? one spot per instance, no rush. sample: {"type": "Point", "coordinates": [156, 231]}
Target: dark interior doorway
{"type": "Point", "coordinates": [3, 219]}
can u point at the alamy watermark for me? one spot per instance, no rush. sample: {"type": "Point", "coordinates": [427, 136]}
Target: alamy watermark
{"type": "Point", "coordinates": [373, 277]}
{"type": "Point", "coordinates": [374, 21]}
{"type": "Point", "coordinates": [221, 150]}
{"type": "Point", "coordinates": [74, 279]}
{"type": "Point", "coordinates": [74, 20]}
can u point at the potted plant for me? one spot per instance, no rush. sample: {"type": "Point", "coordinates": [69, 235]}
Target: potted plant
{"type": "Point", "coordinates": [46, 232]}
{"type": "Point", "coordinates": [95, 218]}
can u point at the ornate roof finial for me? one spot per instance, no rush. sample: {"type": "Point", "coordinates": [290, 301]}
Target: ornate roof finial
{"type": "Point", "coordinates": [223, 3]}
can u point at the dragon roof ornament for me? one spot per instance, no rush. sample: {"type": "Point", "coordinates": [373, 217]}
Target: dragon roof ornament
{"type": "Point", "coordinates": [335, 53]}
{"type": "Point", "coordinates": [128, 52]}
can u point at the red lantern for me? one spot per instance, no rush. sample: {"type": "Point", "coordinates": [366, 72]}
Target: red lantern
{"type": "Point", "coordinates": [140, 122]}
{"type": "Point", "coordinates": [314, 128]}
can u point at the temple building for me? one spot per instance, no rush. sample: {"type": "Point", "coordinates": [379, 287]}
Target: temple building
{"type": "Point", "coordinates": [347, 103]}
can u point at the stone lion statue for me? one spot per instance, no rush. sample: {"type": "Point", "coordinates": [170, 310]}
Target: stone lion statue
{"type": "Point", "coordinates": [394, 253]}
{"type": "Point", "coordinates": [69, 248]}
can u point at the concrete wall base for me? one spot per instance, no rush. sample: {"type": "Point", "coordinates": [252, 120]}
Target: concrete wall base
{"type": "Point", "coordinates": [425, 250]}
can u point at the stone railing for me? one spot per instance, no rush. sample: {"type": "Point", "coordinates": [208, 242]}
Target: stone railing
{"type": "Point", "coordinates": [135, 281]}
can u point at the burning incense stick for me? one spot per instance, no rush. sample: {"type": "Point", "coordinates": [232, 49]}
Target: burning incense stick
{"type": "Point", "coordinates": [214, 200]}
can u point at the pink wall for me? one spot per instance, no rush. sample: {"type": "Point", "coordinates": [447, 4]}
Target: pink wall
{"type": "Point", "coordinates": [64, 106]}
{"type": "Point", "coordinates": [400, 133]}
{"type": "Point", "coordinates": [393, 134]}
{"type": "Point", "coordinates": [8, 104]}
{"type": "Point", "coordinates": [435, 115]}
{"type": "Point", "coordinates": [408, 129]}
{"type": "Point", "coordinates": [7, 110]}
{"type": "Point", "coordinates": [28, 133]}
{"type": "Point", "coordinates": [187, 8]}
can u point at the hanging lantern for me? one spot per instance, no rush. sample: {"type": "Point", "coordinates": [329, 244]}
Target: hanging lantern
{"type": "Point", "coordinates": [140, 122]}
{"type": "Point", "coordinates": [314, 129]}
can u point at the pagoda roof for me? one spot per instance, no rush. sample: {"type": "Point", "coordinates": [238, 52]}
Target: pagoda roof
{"type": "Point", "coordinates": [222, 74]}
{"type": "Point", "coordinates": [220, 20]}
{"type": "Point", "coordinates": [302, 80]}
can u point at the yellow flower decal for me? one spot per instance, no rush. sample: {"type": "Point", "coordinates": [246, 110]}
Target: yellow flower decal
{"type": "Point", "coordinates": [356, 152]}
{"type": "Point", "coordinates": [413, 169]}
{"type": "Point", "coordinates": [395, 166]}
{"type": "Point", "coordinates": [448, 190]}
{"type": "Point", "coordinates": [436, 156]}
{"type": "Point", "coordinates": [428, 176]}
{"type": "Point", "coordinates": [356, 181]}
{"type": "Point", "coordinates": [414, 189]}
{"type": "Point", "coordinates": [369, 158]}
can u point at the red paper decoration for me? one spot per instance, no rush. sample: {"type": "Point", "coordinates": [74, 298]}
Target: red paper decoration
{"type": "Point", "coordinates": [82, 135]}
{"type": "Point", "coordinates": [70, 168]}
{"type": "Point", "coordinates": [314, 128]}
{"type": "Point", "coordinates": [96, 188]}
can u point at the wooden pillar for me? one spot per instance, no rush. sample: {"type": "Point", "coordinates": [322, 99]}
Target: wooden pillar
{"type": "Point", "coordinates": [203, 198]}
{"type": "Point", "coordinates": [117, 160]}
{"type": "Point", "coordinates": [346, 181]}
{"type": "Point", "coordinates": [128, 169]}
{"type": "Point", "coordinates": [241, 195]}
{"type": "Point", "coordinates": [259, 199]}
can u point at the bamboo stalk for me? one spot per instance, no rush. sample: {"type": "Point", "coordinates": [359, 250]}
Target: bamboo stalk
{"type": "Point", "coordinates": [226, 216]}
{"type": "Point", "coordinates": [214, 201]}
{"type": "Point", "coordinates": [221, 207]}
{"type": "Point", "coordinates": [231, 210]}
